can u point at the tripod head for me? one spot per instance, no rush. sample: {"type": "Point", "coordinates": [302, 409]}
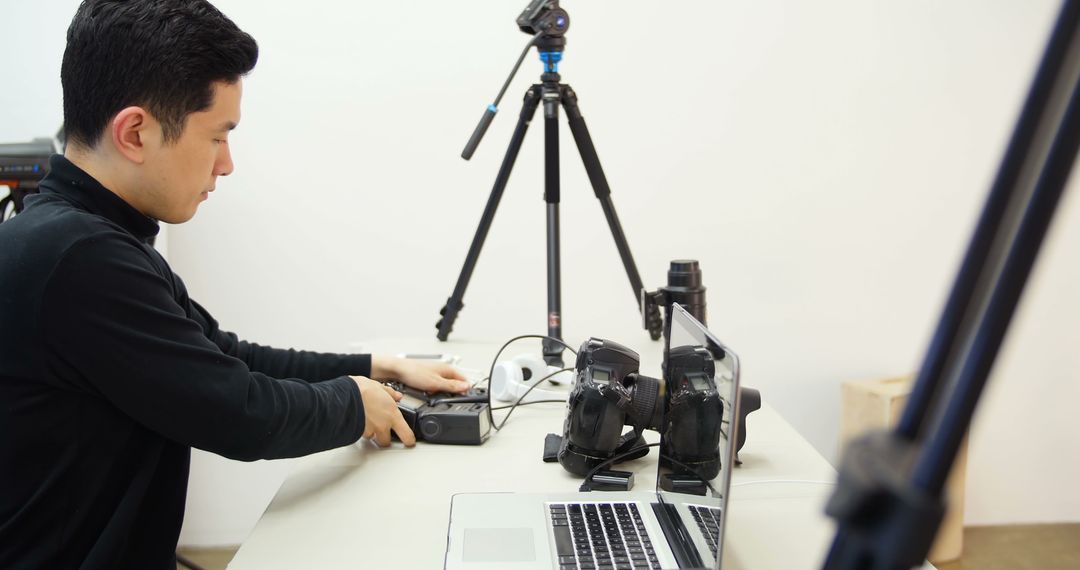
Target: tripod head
{"type": "Point", "coordinates": [545, 18]}
{"type": "Point", "coordinates": [547, 23]}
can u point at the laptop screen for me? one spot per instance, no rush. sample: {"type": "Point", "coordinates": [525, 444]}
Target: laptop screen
{"type": "Point", "coordinates": [697, 439]}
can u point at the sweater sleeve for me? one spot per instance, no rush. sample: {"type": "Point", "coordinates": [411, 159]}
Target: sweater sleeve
{"type": "Point", "coordinates": [114, 329]}
{"type": "Point", "coordinates": [279, 363]}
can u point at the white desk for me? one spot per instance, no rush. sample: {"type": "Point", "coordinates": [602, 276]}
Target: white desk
{"type": "Point", "coordinates": [364, 507]}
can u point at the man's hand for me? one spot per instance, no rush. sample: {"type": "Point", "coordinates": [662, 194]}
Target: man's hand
{"type": "Point", "coordinates": [427, 376]}
{"type": "Point", "coordinates": [381, 414]}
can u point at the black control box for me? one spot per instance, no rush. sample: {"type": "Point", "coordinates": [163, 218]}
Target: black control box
{"type": "Point", "coordinates": [446, 418]}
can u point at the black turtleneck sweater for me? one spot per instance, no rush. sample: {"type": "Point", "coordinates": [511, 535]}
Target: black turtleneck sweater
{"type": "Point", "coordinates": [110, 374]}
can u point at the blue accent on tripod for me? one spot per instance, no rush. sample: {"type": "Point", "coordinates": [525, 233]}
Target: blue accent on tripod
{"type": "Point", "coordinates": [551, 60]}
{"type": "Point", "coordinates": [493, 108]}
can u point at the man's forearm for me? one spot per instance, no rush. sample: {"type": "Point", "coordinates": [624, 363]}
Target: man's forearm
{"type": "Point", "coordinates": [385, 367]}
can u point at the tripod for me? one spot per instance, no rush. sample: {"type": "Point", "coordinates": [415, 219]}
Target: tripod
{"type": "Point", "coordinates": [553, 93]}
{"type": "Point", "coordinates": [888, 502]}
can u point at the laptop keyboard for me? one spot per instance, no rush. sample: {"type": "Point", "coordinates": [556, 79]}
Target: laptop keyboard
{"type": "Point", "coordinates": [708, 520]}
{"type": "Point", "coordinates": [601, 536]}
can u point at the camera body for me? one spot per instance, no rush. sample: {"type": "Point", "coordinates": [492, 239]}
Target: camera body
{"type": "Point", "coordinates": [610, 393]}
{"type": "Point", "coordinates": [694, 417]}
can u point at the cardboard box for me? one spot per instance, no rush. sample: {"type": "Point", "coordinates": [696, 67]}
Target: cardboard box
{"type": "Point", "coordinates": [878, 404]}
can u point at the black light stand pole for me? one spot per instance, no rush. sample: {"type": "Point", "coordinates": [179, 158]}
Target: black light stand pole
{"type": "Point", "coordinates": [888, 503]}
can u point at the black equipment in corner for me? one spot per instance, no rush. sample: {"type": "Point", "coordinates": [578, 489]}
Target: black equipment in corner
{"type": "Point", "coordinates": [888, 503]}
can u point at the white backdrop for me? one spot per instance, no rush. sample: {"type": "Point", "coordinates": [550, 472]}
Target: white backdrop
{"type": "Point", "coordinates": [825, 162]}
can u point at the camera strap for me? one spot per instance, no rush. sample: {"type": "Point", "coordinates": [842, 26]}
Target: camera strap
{"type": "Point", "coordinates": [631, 438]}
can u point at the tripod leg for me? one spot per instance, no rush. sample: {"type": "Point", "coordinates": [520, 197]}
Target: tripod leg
{"type": "Point", "coordinates": [888, 503]}
{"type": "Point", "coordinates": [603, 193]}
{"type": "Point", "coordinates": [455, 303]}
{"type": "Point", "coordinates": [552, 351]}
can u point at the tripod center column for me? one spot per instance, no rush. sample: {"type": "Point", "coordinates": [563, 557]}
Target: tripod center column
{"type": "Point", "coordinates": [551, 97]}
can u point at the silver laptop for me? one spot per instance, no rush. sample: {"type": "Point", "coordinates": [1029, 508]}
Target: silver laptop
{"type": "Point", "coordinates": [679, 525]}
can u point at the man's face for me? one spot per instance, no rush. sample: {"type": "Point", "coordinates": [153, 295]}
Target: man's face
{"type": "Point", "coordinates": [179, 175]}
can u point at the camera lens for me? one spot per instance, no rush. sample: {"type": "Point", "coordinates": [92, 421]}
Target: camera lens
{"type": "Point", "coordinates": [684, 273]}
{"type": "Point", "coordinates": [684, 287]}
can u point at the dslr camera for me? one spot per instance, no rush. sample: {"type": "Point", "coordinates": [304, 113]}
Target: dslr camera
{"type": "Point", "coordinates": [695, 413]}
{"type": "Point", "coordinates": [610, 393]}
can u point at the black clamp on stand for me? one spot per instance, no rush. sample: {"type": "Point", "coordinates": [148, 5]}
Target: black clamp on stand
{"type": "Point", "coordinates": [684, 286]}
{"type": "Point", "coordinates": [888, 503]}
{"type": "Point", "coordinates": [548, 23]}
{"type": "Point", "coordinates": [880, 509]}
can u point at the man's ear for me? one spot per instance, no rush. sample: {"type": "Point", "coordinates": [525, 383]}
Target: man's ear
{"type": "Point", "coordinates": [129, 132]}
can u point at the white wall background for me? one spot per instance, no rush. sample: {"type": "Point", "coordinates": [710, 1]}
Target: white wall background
{"type": "Point", "coordinates": [825, 161]}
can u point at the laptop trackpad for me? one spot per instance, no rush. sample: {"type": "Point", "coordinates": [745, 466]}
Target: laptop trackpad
{"type": "Point", "coordinates": [498, 545]}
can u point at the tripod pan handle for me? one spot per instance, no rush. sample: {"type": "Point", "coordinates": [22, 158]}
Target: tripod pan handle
{"type": "Point", "coordinates": [478, 134]}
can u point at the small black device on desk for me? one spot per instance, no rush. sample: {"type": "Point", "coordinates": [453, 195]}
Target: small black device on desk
{"type": "Point", "coordinates": [446, 418]}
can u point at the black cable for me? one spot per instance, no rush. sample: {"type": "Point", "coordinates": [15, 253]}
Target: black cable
{"type": "Point", "coordinates": [693, 472]}
{"type": "Point", "coordinates": [530, 403]}
{"type": "Point", "coordinates": [518, 402]}
{"type": "Point", "coordinates": [494, 361]}
{"type": "Point", "coordinates": [5, 202]}
{"type": "Point", "coordinates": [585, 487]}
{"type": "Point", "coordinates": [588, 476]}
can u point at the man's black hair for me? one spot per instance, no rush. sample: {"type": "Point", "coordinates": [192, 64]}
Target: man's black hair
{"type": "Point", "coordinates": [162, 55]}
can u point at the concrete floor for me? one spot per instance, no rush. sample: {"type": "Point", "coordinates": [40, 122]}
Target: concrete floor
{"type": "Point", "coordinates": [1014, 547]}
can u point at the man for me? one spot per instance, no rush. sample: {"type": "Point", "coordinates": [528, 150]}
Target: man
{"type": "Point", "coordinates": [109, 372]}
